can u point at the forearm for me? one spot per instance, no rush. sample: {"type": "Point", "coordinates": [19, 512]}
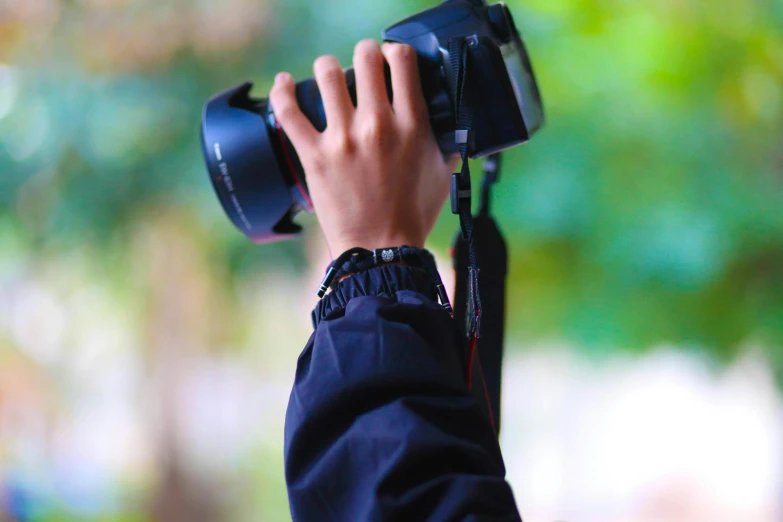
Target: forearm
{"type": "Point", "coordinates": [381, 425]}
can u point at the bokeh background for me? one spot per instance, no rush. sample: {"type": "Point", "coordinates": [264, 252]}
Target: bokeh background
{"type": "Point", "coordinates": [147, 348]}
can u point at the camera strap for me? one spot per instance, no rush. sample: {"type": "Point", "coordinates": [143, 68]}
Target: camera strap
{"type": "Point", "coordinates": [479, 243]}
{"type": "Point", "coordinates": [492, 257]}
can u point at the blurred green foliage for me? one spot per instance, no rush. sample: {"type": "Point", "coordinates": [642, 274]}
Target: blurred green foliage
{"type": "Point", "coordinates": [647, 211]}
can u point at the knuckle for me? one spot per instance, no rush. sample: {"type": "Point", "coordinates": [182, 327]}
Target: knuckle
{"type": "Point", "coordinates": [340, 143]}
{"type": "Point", "coordinates": [332, 76]}
{"type": "Point", "coordinates": [376, 132]}
{"type": "Point", "coordinates": [283, 105]}
{"type": "Point", "coordinates": [328, 71]}
{"type": "Point", "coordinates": [285, 112]}
{"type": "Point", "coordinates": [412, 130]}
{"type": "Point", "coordinates": [318, 165]}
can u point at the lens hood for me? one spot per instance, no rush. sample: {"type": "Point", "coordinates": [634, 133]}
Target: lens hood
{"type": "Point", "coordinates": [242, 165]}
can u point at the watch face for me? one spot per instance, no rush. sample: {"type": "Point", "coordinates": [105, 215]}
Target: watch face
{"type": "Point", "coordinates": [523, 81]}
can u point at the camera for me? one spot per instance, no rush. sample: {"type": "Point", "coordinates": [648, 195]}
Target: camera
{"type": "Point", "coordinates": [256, 171]}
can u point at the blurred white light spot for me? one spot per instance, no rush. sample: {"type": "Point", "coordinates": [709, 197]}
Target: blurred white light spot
{"type": "Point", "coordinates": [38, 323]}
{"type": "Point", "coordinates": [8, 89]}
{"type": "Point", "coordinates": [631, 440]}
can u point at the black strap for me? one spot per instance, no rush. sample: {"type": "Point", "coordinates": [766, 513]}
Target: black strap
{"type": "Point", "coordinates": [492, 257]}
{"type": "Point", "coordinates": [479, 243]}
{"type": "Point", "coordinates": [459, 55]}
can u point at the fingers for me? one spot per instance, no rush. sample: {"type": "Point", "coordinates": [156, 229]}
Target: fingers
{"type": "Point", "coordinates": [369, 63]}
{"type": "Point", "coordinates": [334, 92]}
{"type": "Point", "coordinates": [409, 101]}
{"type": "Point", "coordinates": [287, 112]}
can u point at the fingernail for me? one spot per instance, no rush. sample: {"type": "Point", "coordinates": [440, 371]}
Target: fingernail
{"type": "Point", "coordinates": [281, 77]}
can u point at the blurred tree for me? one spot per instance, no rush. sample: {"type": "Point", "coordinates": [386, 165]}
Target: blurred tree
{"type": "Point", "coordinates": [647, 211]}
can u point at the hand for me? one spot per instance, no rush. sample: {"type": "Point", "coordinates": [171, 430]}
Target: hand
{"type": "Point", "coordinates": [376, 175]}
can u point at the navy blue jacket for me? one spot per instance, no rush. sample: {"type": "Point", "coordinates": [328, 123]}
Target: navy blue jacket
{"type": "Point", "coordinates": [380, 423]}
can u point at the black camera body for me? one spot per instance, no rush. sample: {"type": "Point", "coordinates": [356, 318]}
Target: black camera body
{"type": "Point", "coordinates": [508, 107]}
{"type": "Point", "coordinates": [256, 172]}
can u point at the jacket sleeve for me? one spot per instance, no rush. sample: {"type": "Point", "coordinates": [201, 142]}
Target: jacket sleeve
{"type": "Point", "coordinates": [380, 423]}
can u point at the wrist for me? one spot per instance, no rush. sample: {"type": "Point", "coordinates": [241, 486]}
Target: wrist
{"type": "Point", "coordinates": [385, 281]}
{"type": "Point", "coordinates": [373, 243]}
{"type": "Point", "coordinates": [342, 278]}
{"type": "Point", "coordinates": [356, 260]}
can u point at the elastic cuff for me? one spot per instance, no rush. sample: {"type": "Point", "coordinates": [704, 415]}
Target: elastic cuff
{"type": "Point", "coordinates": [381, 281]}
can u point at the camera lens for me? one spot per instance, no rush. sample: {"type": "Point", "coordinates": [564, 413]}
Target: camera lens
{"type": "Point", "coordinates": [242, 159]}
{"type": "Point", "coordinates": [256, 171]}
{"type": "Point", "coordinates": [254, 168]}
